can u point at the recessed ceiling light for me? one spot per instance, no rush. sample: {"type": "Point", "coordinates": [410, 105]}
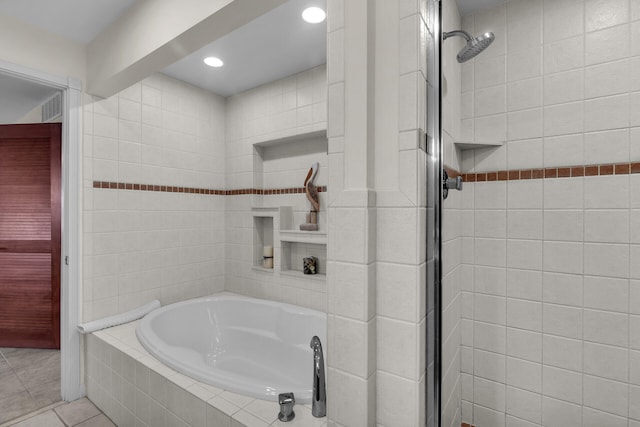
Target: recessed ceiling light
{"type": "Point", "coordinates": [314, 15]}
{"type": "Point", "coordinates": [212, 61]}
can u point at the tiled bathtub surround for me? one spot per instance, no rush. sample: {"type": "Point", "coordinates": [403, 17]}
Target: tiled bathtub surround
{"type": "Point", "coordinates": [140, 246]}
{"type": "Point", "coordinates": [549, 299]}
{"type": "Point", "coordinates": [155, 153]}
{"type": "Point", "coordinates": [168, 239]}
{"type": "Point", "coordinates": [133, 388]}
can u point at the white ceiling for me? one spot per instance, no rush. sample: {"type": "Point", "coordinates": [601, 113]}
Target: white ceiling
{"type": "Point", "coordinates": [276, 45]}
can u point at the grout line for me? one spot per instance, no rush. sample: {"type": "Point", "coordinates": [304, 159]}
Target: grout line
{"type": "Point", "coordinates": [22, 384]}
{"type": "Point", "coordinates": [91, 418]}
{"type": "Point", "coordinates": [58, 416]}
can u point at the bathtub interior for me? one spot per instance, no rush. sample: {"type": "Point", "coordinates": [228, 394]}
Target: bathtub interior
{"type": "Point", "coordinates": [249, 346]}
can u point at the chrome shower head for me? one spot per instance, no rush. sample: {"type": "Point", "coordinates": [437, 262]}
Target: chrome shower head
{"type": "Point", "coordinates": [474, 45]}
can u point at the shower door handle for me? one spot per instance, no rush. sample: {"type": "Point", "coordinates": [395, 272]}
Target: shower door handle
{"type": "Point", "coordinates": [450, 184]}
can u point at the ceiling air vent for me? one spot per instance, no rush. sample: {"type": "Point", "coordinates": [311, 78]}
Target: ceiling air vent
{"type": "Point", "coordinates": [52, 109]}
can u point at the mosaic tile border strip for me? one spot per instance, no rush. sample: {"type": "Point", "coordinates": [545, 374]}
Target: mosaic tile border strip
{"type": "Point", "coordinates": [192, 190]}
{"type": "Point", "coordinates": [559, 172]}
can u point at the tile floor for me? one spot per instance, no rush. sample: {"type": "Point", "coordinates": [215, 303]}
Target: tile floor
{"type": "Point", "coordinates": [80, 413]}
{"type": "Point", "coordinates": [29, 380]}
{"type": "Point", "coordinates": [30, 393]}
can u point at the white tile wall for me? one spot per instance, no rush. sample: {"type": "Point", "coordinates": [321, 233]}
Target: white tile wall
{"type": "Point", "coordinates": [141, 246]}
{"type": "Point", "coordinates": [558, 347]}
{"type": "Point", "coordinates": [292, 106]}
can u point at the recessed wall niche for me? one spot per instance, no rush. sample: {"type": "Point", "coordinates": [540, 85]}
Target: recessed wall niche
{"type": "Point", "coordinates": [280, 168]}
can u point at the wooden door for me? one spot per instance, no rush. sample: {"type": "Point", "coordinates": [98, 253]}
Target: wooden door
{"type": "Point", "coordinates": [30, 215]}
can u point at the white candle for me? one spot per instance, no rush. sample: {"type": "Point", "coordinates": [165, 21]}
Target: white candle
{"type": "Point", "coordinates": [267, 263]}
{"type": "Point", "coordinates": [267, 251]}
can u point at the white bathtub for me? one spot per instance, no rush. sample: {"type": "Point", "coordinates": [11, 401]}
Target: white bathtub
{"type": "Point", "coordinates": [249, 346]}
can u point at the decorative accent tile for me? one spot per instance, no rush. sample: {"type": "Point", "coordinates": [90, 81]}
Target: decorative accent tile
{"type": "Point", "coordinates": [549, 173]}
{"type": "Point", "coordinates": [207, 191]}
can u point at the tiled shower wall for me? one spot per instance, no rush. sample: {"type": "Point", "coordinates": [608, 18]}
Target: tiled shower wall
{"type": "Point", "coordinates": [145, 245]}
{"type": "Point", "coordinates": [296, 105]}
{"type": "Point", "coordinates": [551, 297]}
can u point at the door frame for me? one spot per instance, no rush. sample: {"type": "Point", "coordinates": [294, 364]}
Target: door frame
{"type": "Point", "coordinates": [71, 383]}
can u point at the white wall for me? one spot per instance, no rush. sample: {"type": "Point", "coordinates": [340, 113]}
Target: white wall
{"type": "Point", "coordinates": [550, 309]}
{"type": "Point", "coordinates": [40, 50]}
{"type": "Point", "coordinates": [143, 245]}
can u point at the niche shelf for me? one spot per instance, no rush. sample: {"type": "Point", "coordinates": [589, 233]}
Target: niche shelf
{"type": "Point", "coordinates": [297, 244]}
{"type": "Point", "coordinates": [298, 236]}
{"type": "Point", "coordinates": [472, 145]}
{"type": "Point", "coordinates": [292, 253]}
{"type": "Point", "coordinates": [301, 275]}
{"type": "Point", "coordinates": [273, 226]}
{"type": "Point", "coordinates": [266, 222]}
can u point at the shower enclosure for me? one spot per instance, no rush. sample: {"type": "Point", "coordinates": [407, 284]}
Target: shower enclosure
{"type": "Point", "coordinates": [539, 280]}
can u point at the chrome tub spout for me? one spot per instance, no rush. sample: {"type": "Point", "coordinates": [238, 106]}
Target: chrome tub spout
{"type": "Point", "coordinates": [319, 397]}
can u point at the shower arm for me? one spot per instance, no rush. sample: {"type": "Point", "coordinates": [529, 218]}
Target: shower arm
{"type": "Point", "coordinates": [461, 33]}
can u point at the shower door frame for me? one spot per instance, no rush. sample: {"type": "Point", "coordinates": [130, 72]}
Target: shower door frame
{"type": "Point", "coordinates": [434, 194]}
{"type": "Point", "coordinates": [71, 383]}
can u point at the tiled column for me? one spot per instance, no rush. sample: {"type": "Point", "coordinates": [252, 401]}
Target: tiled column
{"type": "Point", "coordinates": [377, 96]}
{"type": "Point", "coordinates": [401, 38]}
{"type": "Point", "coordinates": [351, 249]}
